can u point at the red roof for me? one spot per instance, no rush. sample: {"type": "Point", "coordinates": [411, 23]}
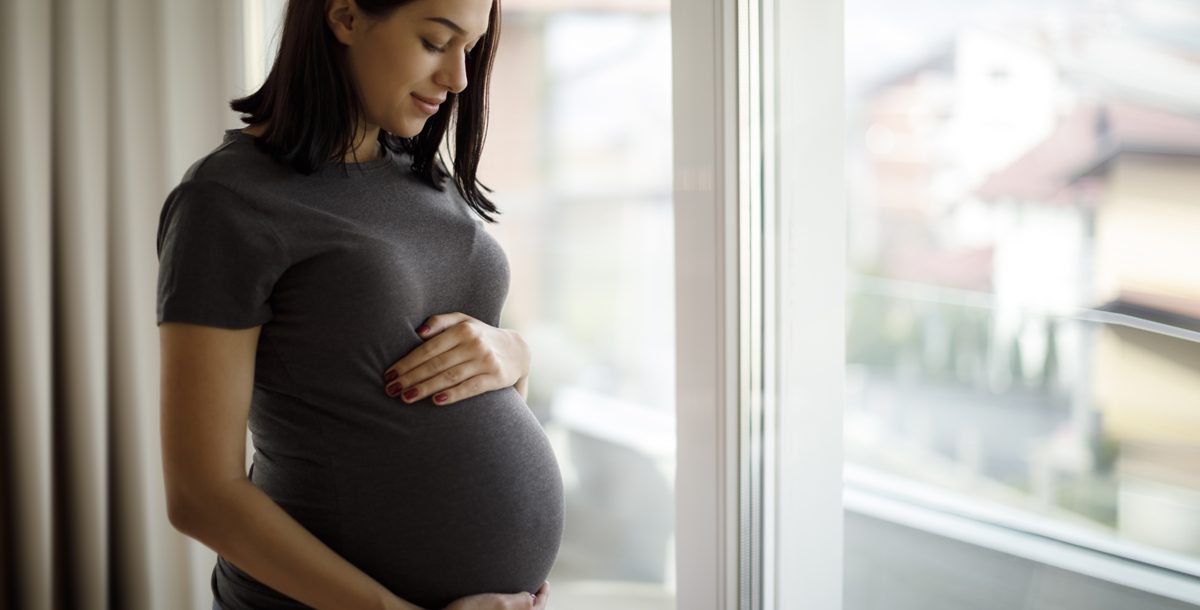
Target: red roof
{"type": "Point", "coordinates": [1050, 172]}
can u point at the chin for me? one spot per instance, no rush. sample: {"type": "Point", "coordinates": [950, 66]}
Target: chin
{"type": "Point", "coordinates": [405, 128]}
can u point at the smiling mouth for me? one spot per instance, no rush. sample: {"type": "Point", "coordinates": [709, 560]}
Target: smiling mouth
{"type": "Point", "coordinates": [425, 106]}
{"type": "Point", "coordinates": [430, 101]}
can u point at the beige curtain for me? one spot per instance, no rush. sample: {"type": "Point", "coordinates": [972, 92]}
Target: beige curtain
{"type": "Point", "coordinates": [105, 103]}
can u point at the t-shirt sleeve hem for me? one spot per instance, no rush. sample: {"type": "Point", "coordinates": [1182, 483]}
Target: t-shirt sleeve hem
{"type": "Point", "coordinates": [200, 320]}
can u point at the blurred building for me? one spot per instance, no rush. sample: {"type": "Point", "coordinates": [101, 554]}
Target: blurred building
{"type": "Point", "coordinates": [1009, 176]}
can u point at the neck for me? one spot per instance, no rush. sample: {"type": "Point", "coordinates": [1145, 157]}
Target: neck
{"type": "Point", "coordinates": [366, 146]}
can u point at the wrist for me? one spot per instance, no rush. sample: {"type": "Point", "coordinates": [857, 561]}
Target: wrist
{"type": "Point", "coordinates": [526, 360]}
{"type": "Point", "coordinates": [522, 387]}
{"type": "Point", "coordinates": [391, 602]}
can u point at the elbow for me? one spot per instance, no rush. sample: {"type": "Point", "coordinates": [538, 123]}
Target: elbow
{"type": "Point", "coordinates": [180, 513]}
{"type": "Point", "coordinates": [190, 507]}
{"type": "Point", "coordinates": [184, 511]}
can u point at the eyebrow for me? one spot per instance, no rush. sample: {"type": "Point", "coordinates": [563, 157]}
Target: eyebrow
{"type": "Point", "coordinates": [449, 24]}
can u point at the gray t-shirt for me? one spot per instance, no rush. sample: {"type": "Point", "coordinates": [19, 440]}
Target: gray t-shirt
{"type": "Point", "coordinates": [340, 268]}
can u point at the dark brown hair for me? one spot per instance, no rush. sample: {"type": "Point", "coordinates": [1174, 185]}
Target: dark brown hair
{"type": "Point", "coordinates": [309, 79]}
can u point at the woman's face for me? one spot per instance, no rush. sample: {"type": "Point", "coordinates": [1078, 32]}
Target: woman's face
{"type": "Point", "coordinates": [406, 64]}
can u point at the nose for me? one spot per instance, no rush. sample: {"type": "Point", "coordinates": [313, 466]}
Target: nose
{"type": "Point", "coordinates": [453, 74]}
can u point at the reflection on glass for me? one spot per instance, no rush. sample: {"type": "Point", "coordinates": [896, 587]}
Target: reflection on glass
{"type": "Point", "coordinates": [1024, 301]}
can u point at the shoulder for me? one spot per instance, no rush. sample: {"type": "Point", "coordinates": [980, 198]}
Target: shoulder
{"type": "Point", "coordinates": [235, 163]}
{"type": "Point", "coordinates": [235, 174]}
{"type": "Point", "coordinates": [219, 191]}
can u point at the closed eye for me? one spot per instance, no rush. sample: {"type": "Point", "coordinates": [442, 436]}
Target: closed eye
{"type": "Point", "coordinates": [437, 49]}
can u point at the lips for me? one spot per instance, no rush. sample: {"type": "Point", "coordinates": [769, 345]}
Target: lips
{"type": "Point", "coordinates": [433, 101]}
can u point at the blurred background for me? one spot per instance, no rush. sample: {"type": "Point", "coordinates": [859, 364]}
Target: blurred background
{"type": "Point", "coordinates": [1023, 342]}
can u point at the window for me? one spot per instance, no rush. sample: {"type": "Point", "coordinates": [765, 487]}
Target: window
{"type": "Point", "coordinates": [963, 309]}
{"type": "Point", "coordinates": [1022, 309]}
{"type": "Point", "coordinates": [939, 292]}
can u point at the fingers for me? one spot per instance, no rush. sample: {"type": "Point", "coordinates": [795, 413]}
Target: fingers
{"type": "Point", "coordinates": [472, 387]}
{"type": "Point", "coordinates": [453, 375]}
{"type": "Point", "coordinates": [449, 356]}
{"type": "Point", "coordinates": [440, 371]}
{"type": "Point", "coordinates": [437, 323]}
{"type": "Point", "coordinates": [542, 596]}
{"type": "Point", "coordinates": [436, 343]}
{"type": "Point", "coordinates": [452, 392]}
{"type": "Point", "coordinates": [454, 366]}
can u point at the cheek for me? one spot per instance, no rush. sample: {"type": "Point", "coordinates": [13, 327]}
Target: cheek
{"type": "Point", "coordinates": [366, 76]}
{"type": "Point", "coordinates": [396, 63]}
{"type": "Point", "coordinates": [384, 76]}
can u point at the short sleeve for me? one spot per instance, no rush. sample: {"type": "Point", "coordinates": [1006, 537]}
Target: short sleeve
{"type": "Point", "coordinates": [218, 258]}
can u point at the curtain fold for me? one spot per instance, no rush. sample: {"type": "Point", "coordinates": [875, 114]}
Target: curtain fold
{"type": "Point", "coordinates": [79, 196]}
{"type": "Point", "coordinates": [26, 300]}
{"type": "Point", "coordinates": [105, 103]}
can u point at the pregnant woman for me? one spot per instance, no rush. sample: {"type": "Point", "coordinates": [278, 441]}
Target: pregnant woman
{"type": "Point", "coordinates": [325, 279]}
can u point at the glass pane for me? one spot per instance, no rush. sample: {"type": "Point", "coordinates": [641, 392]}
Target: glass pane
{"type": "Point", "coordinates": [579, 154]}
{"type": "Point", "coordinates": [1024, 298]}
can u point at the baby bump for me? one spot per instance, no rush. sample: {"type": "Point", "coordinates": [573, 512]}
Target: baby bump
{"type": "Point", "coordinates": [453, 501]}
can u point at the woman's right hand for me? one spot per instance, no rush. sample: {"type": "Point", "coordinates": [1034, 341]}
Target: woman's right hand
{"type": "Point", "coordinates": [504, 601]}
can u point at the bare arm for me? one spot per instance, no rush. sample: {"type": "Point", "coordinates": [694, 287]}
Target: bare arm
{"type": "Point", "coordinates": [207, 381]}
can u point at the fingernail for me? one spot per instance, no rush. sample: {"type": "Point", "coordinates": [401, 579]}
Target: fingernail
{"type": "Point", "coordinates": [422, 329]}
{"type": "Point", "coordinates": [392, 374]}
{"type": "Point", "coordinates": [410, 393]}
{"type": "Point", "coordinates": [439, 398]}
{"type": "Point", "coordinates": [393, 389]}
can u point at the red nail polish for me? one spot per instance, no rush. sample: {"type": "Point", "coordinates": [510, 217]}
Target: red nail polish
{"type": "Point", "coordinates": [393, 389]}
{"type": "Point", "coordinates": [422, 329]}
{"type": "Point", "coordinates": [439, 398]}
{"type": "Point", "coordinates": [392, 374]}
{"type": "Point", "coordinates": [410, 393]}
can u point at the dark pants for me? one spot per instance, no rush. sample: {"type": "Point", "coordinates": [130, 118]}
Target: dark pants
{"type": "Point", "coordinates": [215, 606]}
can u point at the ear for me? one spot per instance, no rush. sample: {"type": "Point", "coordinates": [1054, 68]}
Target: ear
{"type": "Point", "coordinates": [342, 17]}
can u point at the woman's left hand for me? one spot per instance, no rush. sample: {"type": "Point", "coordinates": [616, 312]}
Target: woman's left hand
{"type": "Point", "coordinates": [461, 357]}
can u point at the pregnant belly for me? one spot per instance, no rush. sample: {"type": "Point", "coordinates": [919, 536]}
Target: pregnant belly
{"type": "Point", "coordinates": [443, 502]}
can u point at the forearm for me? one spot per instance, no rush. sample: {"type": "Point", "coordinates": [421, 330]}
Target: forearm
{"type": "Point", "coordinates": [247, 527]}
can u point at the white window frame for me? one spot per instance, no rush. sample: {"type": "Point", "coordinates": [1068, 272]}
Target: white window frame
{"type": "Point", "coordinates": [738, 288]}
{"type": "Point", "coordinates": [703, 103]}
{"type": "Point", "coordinates": [747, 409]}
